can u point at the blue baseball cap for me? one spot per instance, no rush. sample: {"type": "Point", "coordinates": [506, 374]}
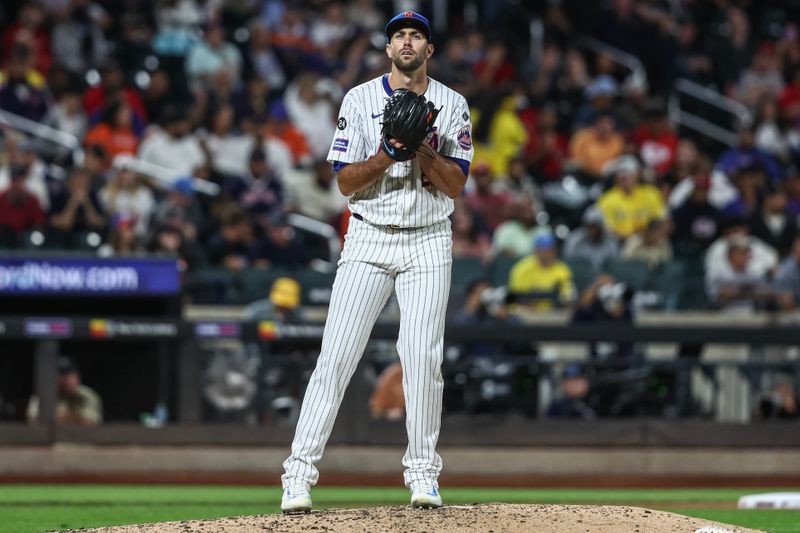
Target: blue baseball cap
{"type": "Point", "coordinates": [544, 240]}
{"type": "Point", "coordinates": [405, 19]}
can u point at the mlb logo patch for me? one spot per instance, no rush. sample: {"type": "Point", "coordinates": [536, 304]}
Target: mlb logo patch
{"type": "Point", "coordinates": [340, 145]}
{"type": "Point", "coordinates": [465, 138]}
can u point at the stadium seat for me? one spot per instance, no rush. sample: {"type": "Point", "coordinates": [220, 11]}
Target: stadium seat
{"type": "Point", "coordinates": [634, 273]}
{"type": "Point", "coordinates": [583, 272]}
{"type": "Point", "coordinates": [499, 269]}
{"type": "Point", "coordinates": [315, 286]}
{"type": "Point", "coordinates": [668, 280]}
{"type": "Point", "coordinates": [254, 283]}
{"type": "Point", "coordinates": [465, 271]}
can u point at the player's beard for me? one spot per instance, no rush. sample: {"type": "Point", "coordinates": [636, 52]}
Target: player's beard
{"type": "Point", "coordinates": [408, 65]}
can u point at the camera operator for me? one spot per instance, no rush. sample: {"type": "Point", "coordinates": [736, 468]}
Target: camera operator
{"type": "Point", "coordinates": [605, 300]}
{"type": "Point", "coordinates": [486, 305]}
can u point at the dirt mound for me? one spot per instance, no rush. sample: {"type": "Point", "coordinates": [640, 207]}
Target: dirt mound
{"type": "Point", "coordinates": [496, 518]}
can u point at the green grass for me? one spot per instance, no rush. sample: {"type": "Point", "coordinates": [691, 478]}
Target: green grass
{"type": "Point", "coordinates": [34, 508]}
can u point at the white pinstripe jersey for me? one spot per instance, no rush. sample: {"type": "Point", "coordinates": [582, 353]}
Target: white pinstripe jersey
{"type": "Point", "coordinates": [399, 196]}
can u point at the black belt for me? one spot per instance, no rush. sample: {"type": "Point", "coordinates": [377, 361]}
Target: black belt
{"type": "Point", "coordinates": [390, 226]}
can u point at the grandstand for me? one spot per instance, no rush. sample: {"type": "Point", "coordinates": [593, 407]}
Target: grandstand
{"type": "Point", "coordinates": [162, 164]}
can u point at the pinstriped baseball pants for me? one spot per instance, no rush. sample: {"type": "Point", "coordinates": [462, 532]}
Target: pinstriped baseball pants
{"type": "Point", "coordinates": [416, 263]}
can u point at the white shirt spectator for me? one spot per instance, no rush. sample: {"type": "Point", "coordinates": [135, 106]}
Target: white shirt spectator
{"type": "Point", "coordinates": [315, 119]}
{"type": "Point", "coordinates": [763, 257]}
{"type": "Point", "coordinates": [182, 154]}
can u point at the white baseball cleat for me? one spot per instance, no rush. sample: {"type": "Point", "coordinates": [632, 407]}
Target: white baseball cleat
{"type": "Point", "coordinates": [296, 499]}
{"type": "Point", "coordinates": [425, 497]}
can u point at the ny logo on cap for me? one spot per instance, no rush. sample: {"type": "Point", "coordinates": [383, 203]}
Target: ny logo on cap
{"type": "Point", "coordinates": [408, 14]}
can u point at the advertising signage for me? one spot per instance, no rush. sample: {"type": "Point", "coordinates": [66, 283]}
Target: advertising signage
{"type": "Point", "coordinates": [88, 276]}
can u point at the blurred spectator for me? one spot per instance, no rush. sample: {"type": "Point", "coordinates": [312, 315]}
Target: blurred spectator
{"type": "Point", "coordinates": [212, 58]}
{"type": "Point", "coordinates": [749, 182]}
{"type": "Point", "coordinates": [123, 240]}
{"type": "Point", "coordinates": [769, 131]}
{"type": "Point", "coordinates": [735, 283]}
{"type": "Point", "coordinates": [22, 156]}
{"type": "Point", "coordinates": [591, 241]}
{"type": "Point", "coordinates": [763, 258]}
{"type": "Point", "coordinates": [160, 94]}
{"type": "Point", "coordinates": [173, 146]}
{"type": "Point", "coordinates": [520, 185]}
{"type": "Point", "coordinates": [78, 40]}
{"type": "Point", "coordinates": [469, 238]}
{"type": "Point", "coordinates": [630, 205]}
{"type": "Point", "coordinates": [696, 223]}
{"type": "Point", "coordinates": [281, 247]}
{"type": "Point", "coordinates": [604, 301]}
{"type": "Point", "coordinates": [318, 195]}
{"type": "Point", "coordinates": [652, 246]}
{"type": "Point", "coordinates": [773, 223]}
{"type": "Point", "coordinates": [178, 23]}
{"type": "Point", "coordinates": [787, 279]}
{"type": "Point", "coordinates": [494, 69]}
{"type": "Point", "coordinates": [30, 28]}
{"type": "Point", "coordinates": [548, 148]}
{"type": "Point", "coordinates": [575, 390]}
{"type": "Point", "coordinates": [309, 104]}
{"type": "Point", "coordinates": [126, 194]}
{"type": "Point", "coordinates": [732, 47]}
{"type": "Point", "coordinates": [260, 58]}
{"type": "Point", "coordinates": [112, 86]}
{"type": "Point", "coordinates": [541, 279]}
{"type": "Point", "coordinates": [781, 403]}
{"type": "Point", "coordinates": [592, 147]}
{"type": "Point", "coordinates": [515, 236]}
{"type": "Point", "coordinates": [599, 95]}
{"type": "Point", "coordinates": [67, 114]}
{"type": "Point", "coordinates": [484, 198]}
{"type": "Point", "coordinates": [499, 133]}
{"type": "Point", "coordinates": [251, 104]}
{"type": "Point", "coordinates": [679, 180]}
{"type": "Point", "coordinates": [232, 246]}
{"type": "Point", "coordinates": [387, 400]}
{"type": "Point", "coordinates": [259, 191]}
{"type": "Point", "coordinates": [282, 304]}
{"type": "Point", "coordinates": [77, 208]}
{"type": "Point", "coordinates": [132, 49]}
{"type": "Point", "coordinates": [19, 209]}
{"type": "Point", "coordinates": [792, 188]}
{"type": "Point", "coordinates": [285, 144]}
{"type": "Point", "coordinates": [180, 210]}
{"type": "Point", "coordinates": [115, 131]}
{"type": "Point", "coordinates": [23, 91]}
{"type": "Point", "coordinates": [656, 140]}
{"type": "Point", "coordinates": [77, 404]}
{"type": "Point", "coordinates": [332, 30]}
{"type": "Point", "coordinates": [228, 150]}
{"type": "Point", "coordinates": [762, 79]}
{"type": "Point", "coordinates": [746, 155]}
{"type": "Point", "coordinates": [168, 239]}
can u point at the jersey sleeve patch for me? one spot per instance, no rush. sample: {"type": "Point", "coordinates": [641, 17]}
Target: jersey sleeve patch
{"type": "Point", "coordinates": [340, 144]}
{"type": "Point", "coordinates": [341, 123]}
{"type": "Point", "coordinates": [464, 138]}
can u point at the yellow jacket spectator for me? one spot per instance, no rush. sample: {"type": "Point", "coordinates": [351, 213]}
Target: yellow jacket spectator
{"type": "Point", "coordinates": [629, 206]}
{"type": "Point", "coordinates": [591, 148]}
{"type": "Point", "coordinates": [543, 273]}
{"type": "Point", "coordinates": [505, 137]}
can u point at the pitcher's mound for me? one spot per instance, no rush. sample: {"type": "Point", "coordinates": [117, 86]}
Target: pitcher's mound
{"type": "Point", "coordinates": [497, 518]}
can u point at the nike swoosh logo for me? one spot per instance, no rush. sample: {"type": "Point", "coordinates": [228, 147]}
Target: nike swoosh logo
{"type": "Point", "coordinates": [376, 116]}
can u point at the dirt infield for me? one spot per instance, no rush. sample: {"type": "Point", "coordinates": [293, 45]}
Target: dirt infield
{"type": "Point", "coordinates": [491, 518]}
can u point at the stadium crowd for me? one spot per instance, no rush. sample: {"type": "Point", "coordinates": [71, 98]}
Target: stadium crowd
{"type": "Point", "coordinates": [577, 160]}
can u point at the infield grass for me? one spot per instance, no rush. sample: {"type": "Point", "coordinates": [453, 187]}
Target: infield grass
{"type": "Point", "coordinates": [35, 508]}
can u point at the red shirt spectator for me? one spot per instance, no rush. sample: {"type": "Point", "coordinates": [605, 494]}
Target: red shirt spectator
{"type": "Point", "coordinates": [111, 86]}
{"type": "Point", "coordinates": [29, 29]}
{"type": "Point", "coordinates": [19, 209]}
{"type": "Point", "coordinates": [485, 200]}
{"type": "Point", "coordinates": [656, 141]}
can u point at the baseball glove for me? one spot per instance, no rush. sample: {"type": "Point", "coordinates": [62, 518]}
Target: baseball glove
{"type": "Point", "coordinates": [408, 118]}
